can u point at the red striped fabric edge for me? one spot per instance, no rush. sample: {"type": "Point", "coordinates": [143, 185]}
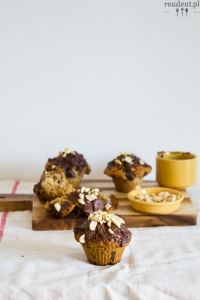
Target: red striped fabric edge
{"type": "Point", "coordinates": [5, 213]}
{"type": "Point", "coordinates": [15, 186]}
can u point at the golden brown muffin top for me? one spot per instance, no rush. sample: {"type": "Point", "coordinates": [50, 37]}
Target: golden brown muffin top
{"type": "Point", "coordinates": [127, 166]}
{"type": "Point", "coordinates": [51, 186]}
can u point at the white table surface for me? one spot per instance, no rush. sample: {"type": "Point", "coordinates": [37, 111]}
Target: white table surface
{"type": "Point", "coordinates": [160, 262]}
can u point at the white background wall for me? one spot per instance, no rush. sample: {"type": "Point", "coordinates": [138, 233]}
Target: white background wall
{"type": "Point", "coordinates": [97, 76]}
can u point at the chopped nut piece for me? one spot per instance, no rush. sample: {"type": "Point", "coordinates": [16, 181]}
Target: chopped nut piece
{"type": "Point", "coordinates": [105, 218]}
{"type": "Point", "coordinates": [57, 206]}
{"type": "Point", "coordinates": [102, 221]}
{"type": "Point", "coordinates": [90, 216]}
{"type": "Point", "coordinates": [109, 223]}
{"type": "Point", "coordinates": [91, 197]}
{"type": "Point", "coordinates": [53, 167]}
{"type": "Point", "coordinates": [87, 190]}
{"type": "Point", "coordinates": [68, 150]}
{"type": "Point", "coordinates": [148, 199]}
{"type": "Point", "coordinates": [96, 219]}
{"type": "Point", "coordinates": [118, 162]}
{"type": "Point", "coordinates": [95, 190]}
{"type": "Point", "coordinates": [129, 153]}
{"type": "Point", "coordinates": [122, 153]}
{"type": "Point", "coordinates": [82, 239]}
{"type": "Point", "coordinates": [111, 216]}
{"type": "Point", "coordinates": [106, 198]}
{"type": "Point", "coordinates": [81, 196]}
{"type": "Point", "coordinates": [83, 189]}
{"type": "Point", "coordinates": [141, 162]}
{"type": "Point", "coordinates": [99, 216]}
{"type": "Point", "coordinates": [117, 221]}
{"type": "Point", "coordinates": [59, 153]}
{"type": "Point", "coordinates": [125, 153]}
{"type": "Point", "coordinates": [110, 230]}
{"type": "Point", "coordinates": [164, 194]}
{"type": "Point", "coordinates": [107, 206]}
{"type": "Point", "coordinates": [128, 159]}
{"type": "Point", "coordinates": [93, 225]}
{"type": "Point", "coordinates": [157, 199]}
{"type": "Point", "coordinates": [81, 201]}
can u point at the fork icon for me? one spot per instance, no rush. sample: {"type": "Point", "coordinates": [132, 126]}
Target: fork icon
{"type": "Point", "coordinates": [177, 11]}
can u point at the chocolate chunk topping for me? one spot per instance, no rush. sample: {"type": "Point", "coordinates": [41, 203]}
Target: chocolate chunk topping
{"type": "Point", "coordinates": [101, 234]}
{"type": "Point", "coordinates": [89, 206]}
{"type": "Point", "coordinates": [99, 204]}
{"type": "Point", "coordinates": [68, 162]}
{"type": "Point", "coordinates": [73, 196]}
{"type": "Point", "coordinates": [127, 167]}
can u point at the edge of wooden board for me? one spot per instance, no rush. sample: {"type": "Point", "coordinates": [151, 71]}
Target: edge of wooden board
{"type": "Point", "coordinates": [133, 219]}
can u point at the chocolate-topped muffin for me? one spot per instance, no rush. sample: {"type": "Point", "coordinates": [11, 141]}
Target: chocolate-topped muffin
{"type": "Point", "coordinates": [52, 185]}
{"type": "Point", "coordinates": [127, 171]}
{"type": "Point", "coordinates": [71, 163]}
{"type": "Point", "coordinates": [103, 237]}
{"type": "Point", "coordinates": [88, 200]}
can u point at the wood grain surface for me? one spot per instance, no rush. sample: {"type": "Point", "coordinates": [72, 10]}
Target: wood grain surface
{"type": "Point", "coordinates": [41, 220]}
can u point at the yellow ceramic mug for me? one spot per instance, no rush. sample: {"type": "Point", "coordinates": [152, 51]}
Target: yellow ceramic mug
{"type": "Point", "coordinates": [176, 169]}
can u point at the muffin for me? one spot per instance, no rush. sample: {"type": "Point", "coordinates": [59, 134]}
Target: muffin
{"type": "Point", "coordinates": [103, 238]}
{"type": "Point", "coordinates": [51, 186]}
{"type": "Point", "coordinates": [71, 163]}
{"type": "Point", "coordinates": [88, 200]}
{"type": "Point", "coordinates": [127, 171]}
{"type": "Point", "coordinates": [60, 207]}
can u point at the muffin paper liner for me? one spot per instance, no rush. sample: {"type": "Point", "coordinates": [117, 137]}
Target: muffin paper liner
{"type": "Point", "coordinates": [103, 256]}
{"type": "Point", "coordinates": [126, 186]}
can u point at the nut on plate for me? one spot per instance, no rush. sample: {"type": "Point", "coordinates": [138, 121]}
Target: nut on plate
{"type": "Point", "coordinates": [155, 200]}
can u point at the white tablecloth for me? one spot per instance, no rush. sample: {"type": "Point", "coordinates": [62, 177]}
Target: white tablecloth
{"type": "Point", "coordinates": [160, 262]}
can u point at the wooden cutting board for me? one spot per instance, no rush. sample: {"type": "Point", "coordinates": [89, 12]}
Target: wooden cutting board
{"type": "Point", "coordinates": [41, 220]}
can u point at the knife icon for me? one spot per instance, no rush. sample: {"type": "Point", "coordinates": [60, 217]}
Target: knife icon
{"type": "Point", "coordinates": [177, 11]}
{"type": "Point", "coordinates": [186, 10]}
